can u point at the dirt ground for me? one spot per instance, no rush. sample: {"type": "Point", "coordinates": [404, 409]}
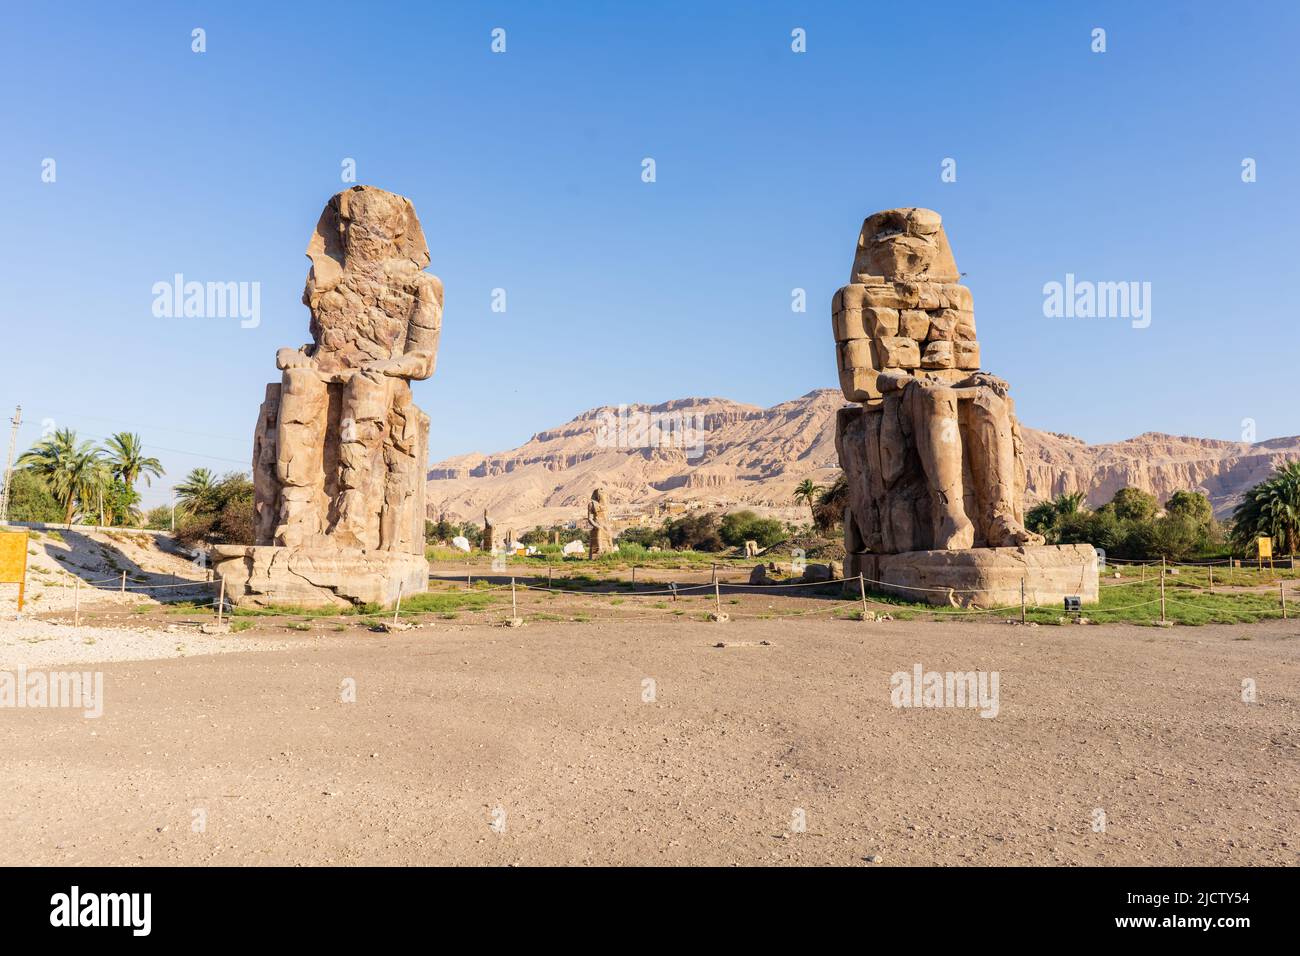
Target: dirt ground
{"type": "Point", "coordinates": [641, 742]}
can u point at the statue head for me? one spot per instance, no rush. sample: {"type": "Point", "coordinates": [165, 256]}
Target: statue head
{"type": "Point", "coordinates": [363, 226]}
{"type": "Point", "coordinates": [907, 244]}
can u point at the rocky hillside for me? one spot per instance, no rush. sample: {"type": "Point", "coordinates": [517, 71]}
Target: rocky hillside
{"type": "Point", "coordinates": [719, 454]}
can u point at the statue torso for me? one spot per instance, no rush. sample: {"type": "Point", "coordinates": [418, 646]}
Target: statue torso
{"type": "Point", "coordinates": [364, 318]}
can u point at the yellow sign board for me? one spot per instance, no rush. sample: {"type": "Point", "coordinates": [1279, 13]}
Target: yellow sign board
{"type": "Point", "coordinates": [1265, 547]}
{"type": "Point", "coordinates": [13, 561]}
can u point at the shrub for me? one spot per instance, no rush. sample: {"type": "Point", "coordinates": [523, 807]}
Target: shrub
{"type": "Point", "coordinates": [30, 499]}
{"type": "Point", "coordinates": [221, 514]}
{"type": "Point", "coordinates": [1133, 504]}
{"type": "Point", "coordinates": [740, 526]}
{"type": "Point", "coordinates": [697, 532]}
{"type": "Point", "coordinates": [644, 536]}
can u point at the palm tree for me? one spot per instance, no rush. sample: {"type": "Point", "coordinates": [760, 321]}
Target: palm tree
{"type": "Point", "coordinates": [1271, 509]}
{"type": "Point", "coordinates": [127, 460]}
{"type": "Point", "coordinates": [1041, 518]}
{"type": "Point", "coordinates": [1069, 504]}
{"type": "Point", "coordinates": [806, 491]}
{"type": "Point", "coordinates": [73, 471]}
{"type": "Point", "coordinates": [829, 510]}
{"type": "Point", "coordinates": [197, 484]}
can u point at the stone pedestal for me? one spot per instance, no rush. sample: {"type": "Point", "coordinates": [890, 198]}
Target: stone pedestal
{"type": "Point", "coordinates": [983, 577]}
{"type": "Point", "coordinates": [263, 576]}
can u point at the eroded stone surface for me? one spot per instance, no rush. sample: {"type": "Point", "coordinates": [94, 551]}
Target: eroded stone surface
{"type": "Point", "coordinates": [340, 448]}
{"type": "Point", "coordinates": [268, 576]}
{"type": "Point", "coordinates": [933, 450]}
{"type": "Point", "coordinates": [984, 577]}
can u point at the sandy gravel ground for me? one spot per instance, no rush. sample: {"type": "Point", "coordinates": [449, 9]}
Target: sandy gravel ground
{"type": "Point", "coordinates": [481, 745]}
{"type": "Point", "coordinates": [33, 643]}
{"type": "Point", "coordinates": [156, 567]}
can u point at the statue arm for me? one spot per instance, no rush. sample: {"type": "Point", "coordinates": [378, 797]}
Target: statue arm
{"type": "Point", "coordinates": [287, 358]}
{"type": "Point", "coordinates": [893, 380]}
{"type": "Point", "coordinates": [421, 355]}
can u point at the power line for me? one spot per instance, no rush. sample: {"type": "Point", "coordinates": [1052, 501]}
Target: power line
{"type": "Point", "coordinates": [9, 467]}
{"type": "Point", "coordinates": [158, 428]}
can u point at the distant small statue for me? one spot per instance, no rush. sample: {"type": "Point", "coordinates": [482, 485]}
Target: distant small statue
{"type": "Point", "coordinates": [602, 534]}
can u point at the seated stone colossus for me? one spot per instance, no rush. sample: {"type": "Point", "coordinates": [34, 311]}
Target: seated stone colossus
{"type": "Point", "coordinates": [340, 445]}
{"type": "Point", "coordinates": [340, 448]}
{"type": "Point", "coordinates": [931, 448]}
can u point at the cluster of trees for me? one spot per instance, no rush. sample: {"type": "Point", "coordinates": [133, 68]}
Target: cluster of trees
{"type": "Point", "coordinates": [442, 531]}
{"type": "Point", "coordinates": [65, 479]}
{"type": "Point", "coordinates": [541, 536]}
{"type": "Point", "coordinates": [1270, 509]}
{"type": "Point", "coordinates": [709, 531]}
{"type": "Point", "coordinates": [210, 510]}
{"type": "Point", "coordinates": [1131, 524]}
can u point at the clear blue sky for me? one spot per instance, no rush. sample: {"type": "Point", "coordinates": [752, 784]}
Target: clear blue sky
{"type": "Point", "coordinates": [525, 168]}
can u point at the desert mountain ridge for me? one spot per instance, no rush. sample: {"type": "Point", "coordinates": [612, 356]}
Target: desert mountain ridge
{"type": "Point", "coordinates": [717, 454]}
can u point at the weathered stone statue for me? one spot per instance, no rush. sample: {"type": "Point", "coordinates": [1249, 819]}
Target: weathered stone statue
{"type": "Point", "coordinates": [602, 532]}
{"type": "Point", "coordinates": [340, 448]}
{"type": "Point", "coordinates": [932, 452]}
{"type": "Point", "coordinates": [487, 533]}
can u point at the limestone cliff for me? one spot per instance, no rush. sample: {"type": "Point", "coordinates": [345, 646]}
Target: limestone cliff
{"type": "Point", "coordinates": [754, 457]}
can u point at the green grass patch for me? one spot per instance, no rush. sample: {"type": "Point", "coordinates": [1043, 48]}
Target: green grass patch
{"type": "Point", "coordinates": [185, 607]}
{"type": "Point", "coordinates": [1132, 604]}
{"type": "Point", "coordinates": [294, 610]}
{"type": "Point", "coordinates": [444, 601]}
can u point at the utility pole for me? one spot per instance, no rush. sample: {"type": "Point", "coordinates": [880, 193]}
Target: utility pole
{"type": "Point", "coordinates": [9, 467]}
{"type": "Point", "coordinates": [1162, 589]}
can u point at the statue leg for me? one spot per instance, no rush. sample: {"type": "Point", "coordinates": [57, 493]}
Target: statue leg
{"type": "Point", "coordinates": [990, 429]}
{"type": "Point", "coordinates": [933, 412]}
{"type": "Point", "coordinates": [363, 420]}
{"type": "Point", "coordinates": [266, 484]}
{"type": "Point", "coordinates": [299, 462]}
{"type": "Point", "coordinates": [401, 472]}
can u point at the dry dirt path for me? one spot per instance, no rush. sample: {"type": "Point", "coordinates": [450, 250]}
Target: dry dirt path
{"type": "Point", "coordinates": [546, 731]}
